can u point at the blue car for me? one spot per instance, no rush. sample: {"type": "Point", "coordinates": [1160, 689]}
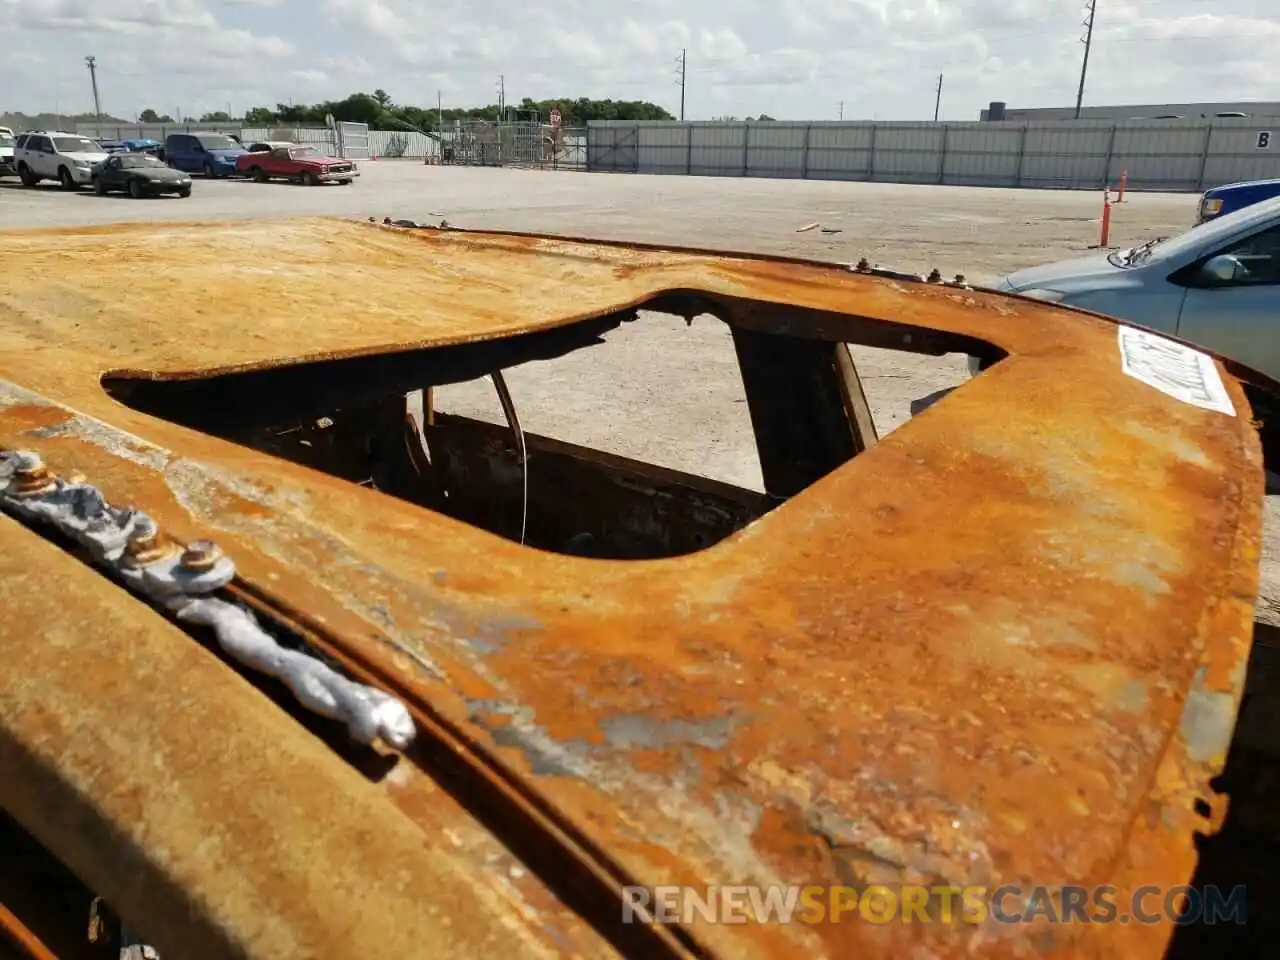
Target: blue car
{"type": "Point", "coordinates": [1232, 196]}
{"type": "Point", "coordinates": [213, 154]}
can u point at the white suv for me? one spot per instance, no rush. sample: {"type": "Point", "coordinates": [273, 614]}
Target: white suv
{"type": "Point", "coordinates": [68, 158]}
{"type": "Point", "coordinates": [6, 153]}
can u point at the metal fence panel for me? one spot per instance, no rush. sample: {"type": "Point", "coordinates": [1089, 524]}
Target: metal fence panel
{"type": "Point", "coordinates": [353, 140]}
{"type": "Point", "coordinates": [1234, 153]}
{"type": "Point", "coordinates": [1158, 155]}
{"type": "Point", "coordinates": [776, 149]}
{"type": "Point", "coordinates": [717, 149]}
{"type": "Point", "coordinates": [150, 131]}
{"type": "Point", "coordinates": [982, 154]}
{"type": "Point", "coordinates": [909, 153]}
{"type": "Point", "coordinates": [664, 148]}
{"type": "Point", "coordinates": [839, 151]}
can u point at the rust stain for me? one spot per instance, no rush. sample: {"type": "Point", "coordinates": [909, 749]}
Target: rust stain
{"type": "Point", "coordinates": [1003, 645]}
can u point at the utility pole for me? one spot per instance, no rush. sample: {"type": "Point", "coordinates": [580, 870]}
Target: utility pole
{"type": "Point", "coordinates": [93, 79]}
{"type": "Point", "coordinates": [841, 109]}
{"type": "Point", "coordinates": [683, 60]}
{"type": "Point", "coordinates": [937, 101]}
{"type": "Point", "coordinates": [502, 97]}
{"type": "Point", "coordinates": [1088, 43]}
{"type": "Point", "coordinates": [440, 110]}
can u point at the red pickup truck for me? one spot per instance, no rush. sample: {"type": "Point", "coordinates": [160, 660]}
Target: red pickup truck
{"type": "Point", "coordinates": [291, 161]}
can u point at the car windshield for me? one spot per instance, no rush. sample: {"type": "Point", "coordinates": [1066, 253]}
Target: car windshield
{"type": "Point", "coordinates": [218, 143]}
{"type": "Point", "coordinates": [302, 153]}
{"type": "Point", "coordinates": [1201, 237]}
{"type": "Point", "coordinates": [132, 161]}
{"type": "Point", "coordinates": [6, 140]}
{"type": "Point", "coordinates": [75, 145]}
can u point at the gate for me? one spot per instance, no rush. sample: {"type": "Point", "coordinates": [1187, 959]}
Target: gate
{"type": "Point", "coordinates": [353, 140]}
{"type": "Point", "coordinates": [613, 149]}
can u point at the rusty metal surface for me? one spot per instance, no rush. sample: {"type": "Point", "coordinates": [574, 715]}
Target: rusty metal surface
{"type": "Point", "coordinates": [1005, 644]}
{"type": "Point", "coordinates": [194, 804]}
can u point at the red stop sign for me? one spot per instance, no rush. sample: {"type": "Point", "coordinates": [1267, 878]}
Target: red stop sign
{"type": "Point", "coordinates": [555, 118]}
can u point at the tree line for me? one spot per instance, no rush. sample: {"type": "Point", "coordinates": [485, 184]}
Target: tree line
{"type": "Point", "coordinates": [379, 111]}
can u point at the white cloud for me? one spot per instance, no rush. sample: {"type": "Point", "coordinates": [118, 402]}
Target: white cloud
{"type": "Point", "coordinates": [786, 58]}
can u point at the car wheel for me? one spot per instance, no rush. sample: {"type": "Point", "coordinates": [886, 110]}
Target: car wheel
{"type": "Point", "coordinates": [135, 189]}
{"type": "Point", "coordinates": [99, 186]}
{"type": "Point", "coordinates": [67, 180]}
{"type": "Point", "coordinates": [310, 179]}
{"type": "Point", "coordinates": [209, 171]}
{"type": "Point", "coordinates": [184, 192]}
{"type": "Point", "coordinates": [345, 181]}
{"type": "Point", "coordinates": [28, 178]}
{"type": "Point", "coordinates": [258, 174]}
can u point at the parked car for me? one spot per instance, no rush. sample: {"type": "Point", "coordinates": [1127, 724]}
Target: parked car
{"type": "Point", "coordinates": [139, 175]}
{"type": "Point", "coordinates": [141, 145]}
{"type": "Point", "coordinates": [7, 166]}
{"type": "Point", "coordinates": [1217, 285]}
{"type": "Point", "coordinates": [1232, 196]}
{"type": "Point", "coordinates": [266, 146]}
{"type": "Point", "coordinates": [50, 155]}
{"type": "Point", "coordinates": [299, 163]}
{"type": "Point", "coordinates": [213, 154]}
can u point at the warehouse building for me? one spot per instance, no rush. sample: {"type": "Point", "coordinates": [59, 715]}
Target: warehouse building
{"type": "Point", "coordinates": [1147, 111]}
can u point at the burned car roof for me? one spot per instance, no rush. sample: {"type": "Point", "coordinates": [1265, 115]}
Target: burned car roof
{"type": "Point", "coordinates": [1005, 644]}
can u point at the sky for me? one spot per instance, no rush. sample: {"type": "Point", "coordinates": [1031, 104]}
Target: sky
{"type": "Point", "coordinates": [789, 59]}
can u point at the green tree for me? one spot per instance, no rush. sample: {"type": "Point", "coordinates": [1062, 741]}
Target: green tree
{"type": "Point", "coordinates": [217, 116]}
{"type": "Point", "coordinates": [260, 117]}
{"type": "Point", "coordinates": [381, 113]}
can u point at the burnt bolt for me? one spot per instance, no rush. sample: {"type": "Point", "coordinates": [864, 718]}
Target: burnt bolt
{"type": "Point", "coordinates": [863, 266]}
{"type": "Point", "coordinates": [144, 547]}
{"type": "Point", "coordinates": [200, 556]}
{"type": "Point", "coordinates": [959, 281]}
{"type": "Point", "coordinates": [31, 478]}
{"type": "Point", "coordinates": [935, 275]}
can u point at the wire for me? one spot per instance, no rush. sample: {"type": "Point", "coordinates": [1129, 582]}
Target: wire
{"type": "Point", "coordinates": [513, 421]}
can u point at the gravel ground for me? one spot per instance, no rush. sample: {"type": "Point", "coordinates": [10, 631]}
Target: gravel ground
{"type": "Point", "coordinates": [657, 389]}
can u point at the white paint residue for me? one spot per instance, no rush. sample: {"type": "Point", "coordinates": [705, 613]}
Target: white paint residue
{"type": "Point", "coordinates": [1173, 369]}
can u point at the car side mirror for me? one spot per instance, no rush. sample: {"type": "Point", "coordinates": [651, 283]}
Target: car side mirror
{"type": "Point", "coordinates": [1222, 269]}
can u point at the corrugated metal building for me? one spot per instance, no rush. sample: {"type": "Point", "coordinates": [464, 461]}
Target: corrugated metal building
{"type": "Point", "coordinates": [1145, 111]}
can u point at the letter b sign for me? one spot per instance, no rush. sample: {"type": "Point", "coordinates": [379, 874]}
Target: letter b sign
{"type": "Point", "coordinates": [1264, 139]}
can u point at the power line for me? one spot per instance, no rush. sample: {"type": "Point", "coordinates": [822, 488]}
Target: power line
{"type": "Point", "coordinates": [1088, 44]}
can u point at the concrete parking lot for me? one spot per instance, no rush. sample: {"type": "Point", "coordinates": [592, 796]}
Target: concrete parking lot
{"type": "Point", "coordinates": [657, 389]}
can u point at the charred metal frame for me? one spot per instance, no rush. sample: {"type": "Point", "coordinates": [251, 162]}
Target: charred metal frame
{"type": "Point", "coordinates": [469, 754]}
{"type": "Point", "coordinates": [808, 409]}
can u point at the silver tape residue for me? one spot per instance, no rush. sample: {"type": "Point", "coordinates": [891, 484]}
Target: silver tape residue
{"type": "Point", "coordinates": [80, 511]}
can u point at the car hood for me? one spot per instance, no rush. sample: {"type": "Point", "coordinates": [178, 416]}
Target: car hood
{"type": "Point", "coordinates": [87, 157]}
{"type": "Point", "coordinates": [1246, 187]}
{"type": "Point", "coordinates": [1065, 275]}
{"type": "Point", "coordinates": [163, 174]}
{"type": "Point", "coordinates": [320, 161]}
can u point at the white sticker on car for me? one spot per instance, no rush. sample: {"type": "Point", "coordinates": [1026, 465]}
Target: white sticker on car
{"type": "Point", "coordinates": [1174, 369]}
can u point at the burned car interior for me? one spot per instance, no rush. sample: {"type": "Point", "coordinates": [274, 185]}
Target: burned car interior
{"type": "Point", "coordinates": [372, 421]}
